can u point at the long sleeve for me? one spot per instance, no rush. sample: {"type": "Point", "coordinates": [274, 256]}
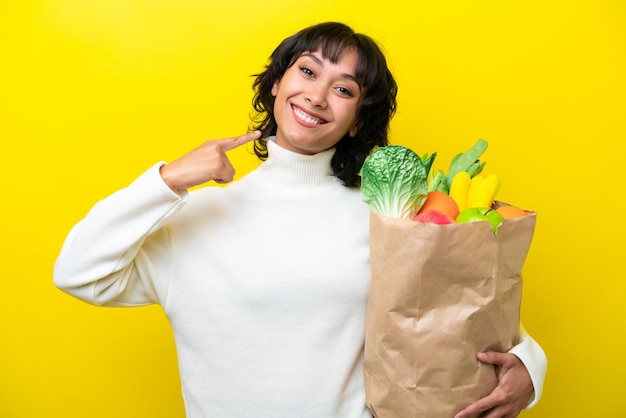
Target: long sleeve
{"type": "Point", "coordinates": [534, 358]}
{"type": "Point", "coordinates": [103, 260]}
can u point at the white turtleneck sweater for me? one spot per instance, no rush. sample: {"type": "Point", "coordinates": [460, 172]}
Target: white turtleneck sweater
{"type": "Point", "coordinates": [264, 282]}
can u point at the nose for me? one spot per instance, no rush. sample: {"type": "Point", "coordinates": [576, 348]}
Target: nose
{"type": "Point", "coordinates": [316, 95]}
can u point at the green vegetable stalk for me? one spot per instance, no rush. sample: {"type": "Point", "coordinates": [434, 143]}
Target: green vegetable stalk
{"type": "Point", "coordinates": [467, 161]}
{"type": "Point", "coordinates": [464, 161]}
{"type": "Point", "coordinates": [394, 181]}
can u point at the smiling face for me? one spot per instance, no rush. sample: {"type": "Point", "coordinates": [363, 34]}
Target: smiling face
{"type": "Point", "coordinates": [316, 102]}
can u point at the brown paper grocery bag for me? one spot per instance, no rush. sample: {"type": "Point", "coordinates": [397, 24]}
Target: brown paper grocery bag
{"type": "Point", "coordinates": [439, 295]}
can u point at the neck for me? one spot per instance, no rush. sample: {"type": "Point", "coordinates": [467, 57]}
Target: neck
{"type": "Point", "coordinates": [299, 171]}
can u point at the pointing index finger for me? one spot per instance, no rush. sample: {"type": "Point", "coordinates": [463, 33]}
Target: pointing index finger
{"type": "Point", "coordinates": [236, 141]}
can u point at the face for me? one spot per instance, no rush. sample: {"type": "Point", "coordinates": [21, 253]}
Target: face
{"type": "Point", "coordinates": [316, 102]}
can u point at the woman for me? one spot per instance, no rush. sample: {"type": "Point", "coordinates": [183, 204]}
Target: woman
{"type": "Point", "coordinates": [265, 281]}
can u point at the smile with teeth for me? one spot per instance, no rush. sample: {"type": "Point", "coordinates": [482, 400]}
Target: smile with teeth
{"type": "Point", "coordinates": [305, 117]}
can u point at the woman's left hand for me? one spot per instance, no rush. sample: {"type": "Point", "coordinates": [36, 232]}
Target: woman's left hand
{"type": "Point", "coordinates": [513, 392]}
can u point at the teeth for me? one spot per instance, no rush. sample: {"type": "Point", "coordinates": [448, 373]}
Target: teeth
{"type": "Point", "coordinates": [306, 117]}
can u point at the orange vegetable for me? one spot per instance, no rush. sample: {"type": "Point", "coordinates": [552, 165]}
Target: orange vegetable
{"type": "Point", "coordinates": [510, 211]}
{"type": "Point", "coordinates": [441, 202]}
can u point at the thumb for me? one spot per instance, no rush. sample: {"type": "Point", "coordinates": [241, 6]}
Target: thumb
{"type": "Point", "coordinates": [492, 357]}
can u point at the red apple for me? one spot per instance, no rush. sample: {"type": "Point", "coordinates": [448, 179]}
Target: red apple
{"type": "Point", "coordinates": [433, 217]}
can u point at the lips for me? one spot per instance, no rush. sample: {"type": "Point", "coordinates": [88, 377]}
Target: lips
{"type": "Point", "coordinates": [307, 118]}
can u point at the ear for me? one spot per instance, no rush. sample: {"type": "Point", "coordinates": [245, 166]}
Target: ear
{"type": "Point", "coordinates": [354, 129]}
{"type": "Point", "coordinates": [275, 88]}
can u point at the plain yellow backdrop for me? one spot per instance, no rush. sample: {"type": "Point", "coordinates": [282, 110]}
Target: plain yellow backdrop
{"type": "Point", "coordinates": [93, 93]}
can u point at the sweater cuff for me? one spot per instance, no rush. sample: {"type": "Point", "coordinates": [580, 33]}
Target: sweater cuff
{"type": "Point", "coordinates": [155, 171]}
{"type": "Point", "coordinates": [534, 358]}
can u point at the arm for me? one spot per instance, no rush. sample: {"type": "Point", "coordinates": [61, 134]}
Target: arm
{"type": "Point", "coordinates": [102, 261]}
{"type": "Point", "coordinates": [118, 254]}
{"type": "Point", "coordinates": [521, 372]}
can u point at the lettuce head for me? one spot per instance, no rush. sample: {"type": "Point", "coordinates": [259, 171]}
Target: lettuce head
{"type": "Point", "coordinates": [394, 181]}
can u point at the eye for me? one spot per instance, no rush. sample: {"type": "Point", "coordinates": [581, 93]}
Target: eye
{"type": "Point", "coordinates": [306, 70]}
{"type": "Point", "coordinates": [345, 91]}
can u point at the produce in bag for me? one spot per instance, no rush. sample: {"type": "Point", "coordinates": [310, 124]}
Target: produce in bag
{"type": "Point", "coordinates": [439, 294]}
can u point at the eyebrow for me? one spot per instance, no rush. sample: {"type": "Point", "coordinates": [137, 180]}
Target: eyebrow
{"type": "Point", "coordinates": [320, 62]}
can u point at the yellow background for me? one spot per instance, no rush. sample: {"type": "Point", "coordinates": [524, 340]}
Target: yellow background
{"type": "Point", "coordinates": [93, 93]}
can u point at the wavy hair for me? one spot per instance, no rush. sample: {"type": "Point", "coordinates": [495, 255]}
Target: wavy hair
{"type": "Point", "coordinates": [374, 113]}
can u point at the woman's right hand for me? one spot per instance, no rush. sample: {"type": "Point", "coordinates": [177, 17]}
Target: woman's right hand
{"type": "Point", "coordinates": [205, 163]}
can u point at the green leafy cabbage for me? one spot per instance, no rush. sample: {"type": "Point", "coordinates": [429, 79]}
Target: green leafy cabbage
{"type": "Point", "coordinates": [394, 181]}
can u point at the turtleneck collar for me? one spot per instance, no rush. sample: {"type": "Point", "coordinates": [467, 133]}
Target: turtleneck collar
{"type": "Point", "coordinates": [295, 171]}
